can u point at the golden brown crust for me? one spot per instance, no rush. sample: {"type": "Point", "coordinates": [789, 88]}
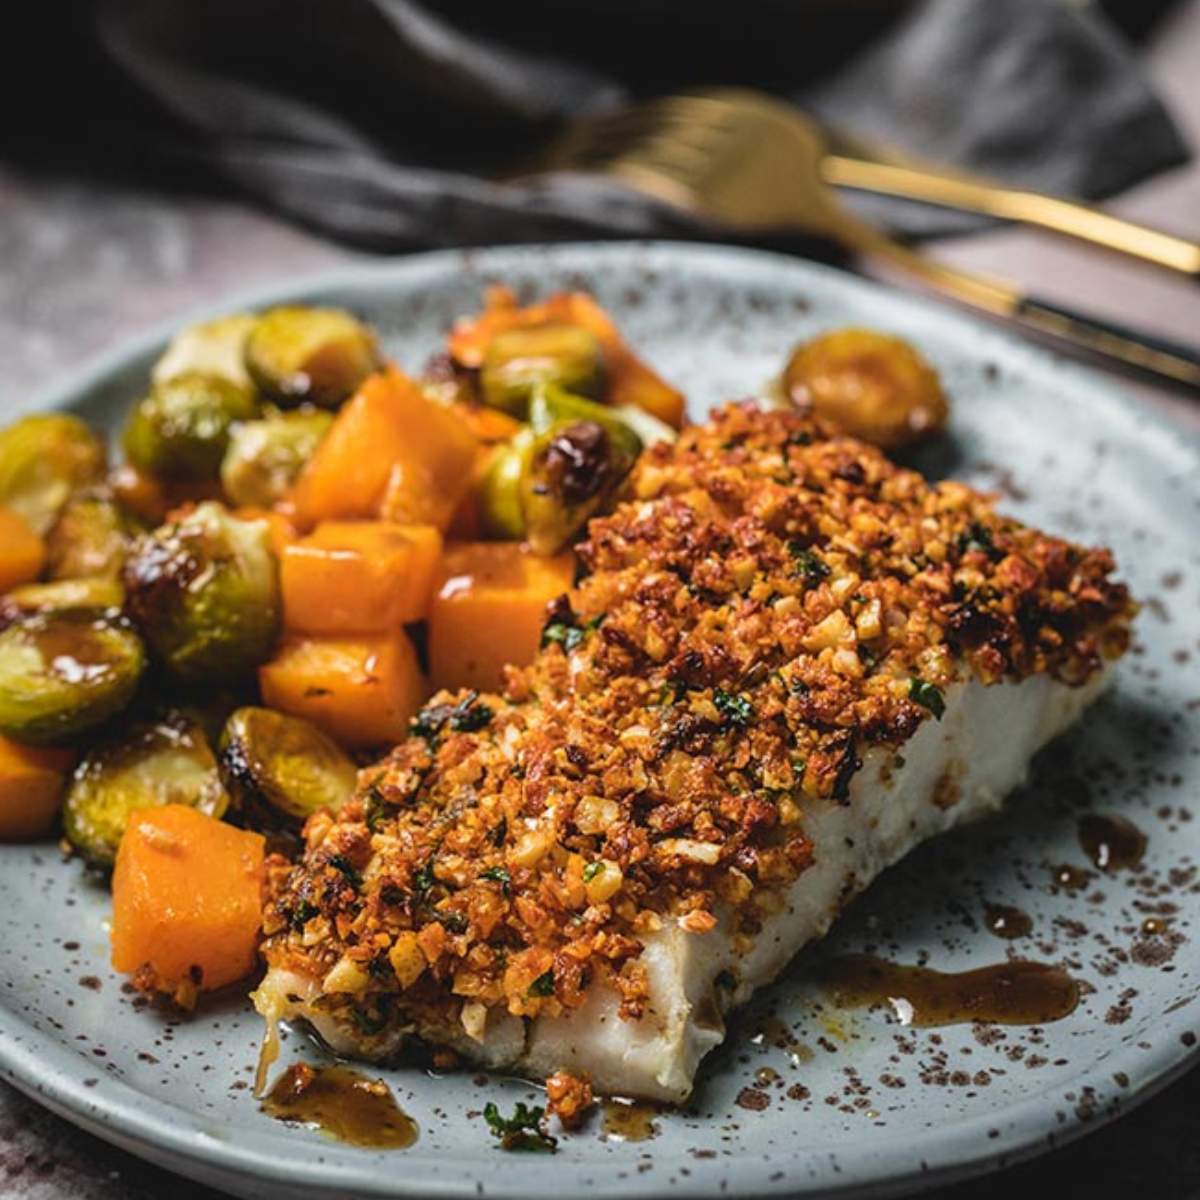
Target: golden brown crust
{"type": "Point", "coordinates": [768, 601]}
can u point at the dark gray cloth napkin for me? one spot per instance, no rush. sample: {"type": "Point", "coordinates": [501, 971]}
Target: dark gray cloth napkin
{"type": "Point", "coordinates": [381, 122]}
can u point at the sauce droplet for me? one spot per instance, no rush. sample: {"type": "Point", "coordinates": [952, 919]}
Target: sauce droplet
{"type": "Point", "coordinates": [1005, 921]}
{"type": "Point", "coordinates": [1071, 878]}
{"type": "Point", "coordinates": [343, 1104]}
{"type": "Point", "coordinates": [629, 1120]}
{"type": "Point", "coordinates": [1009, 993]}
{"type": "Point", "coordinates": [1110, 841]}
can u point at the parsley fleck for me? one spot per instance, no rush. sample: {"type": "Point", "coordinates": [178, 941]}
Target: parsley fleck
{"type": "Point", "coordinates": [926, 695]}
{"type": "Point", "coordinates": [522, 1131]}
{"type": "Point", "coordinates": [543, 985]}
{"type": "Point", "coordinates": [423, 880]}
{"type": "Point", "coordinates": [375, 808]}
{"type": "Point", "coordinates": [302, 914]}
{"type": "Point", "coordinates": [809, 566]}
{"type": "Point", "coordinates": [591, 871]}
{"type": "Point", "coordinates": [339, 862]}
{"type": "Point", "coordinates": [469, 716]}
{"type": "Point", "coordinates": [498, 875]}
{"type": "Point", "coordinates": [567, 633]}
{"type": "Point", "coordinates": [455, 922]}
{"type": "Point", "coordinates": [736, 710]}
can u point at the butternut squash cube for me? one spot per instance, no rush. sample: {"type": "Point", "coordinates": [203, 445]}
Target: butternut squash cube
{"type": "Point", "coordinates": [32, 781]}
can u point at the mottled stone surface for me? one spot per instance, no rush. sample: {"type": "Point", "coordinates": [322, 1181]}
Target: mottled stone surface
{"type": "Point", "coordinates": [81, 267]}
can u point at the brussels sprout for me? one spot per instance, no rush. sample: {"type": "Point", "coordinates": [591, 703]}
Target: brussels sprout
{"type": "Point", "coordinates": [280, 769]}
{"type": "Point", "coordinates": [44, 460]}
{"type": "Point", "coordinates": [204, 590]}
{"type": "Point", "coordinates": [647, 426]}
{"type": "Point", "coordinates": [549, 405]}
{"type": "Point", "coordinates": [319, 355]}
{"type": "Point", "coordinates": [168, 761]}
{"type": "Point", "coordinates": [181, 428]}
{"type": "Point", "coordinates": [871, 386]}
{"type": "Point", "coordinates": [264, 457]}
{"type": "Point", "coordinates": [97, 595]}
{"type": "Point", "coordinates": [62, 673]}
{"type": "Point", "coordinates": [500, 500]}
{"type": "Point", "coordinates": [88, 540]}
{"type": "Point", "coordinates": [516, 360]}
{"type": "Point", "coordinates": [212, 348]}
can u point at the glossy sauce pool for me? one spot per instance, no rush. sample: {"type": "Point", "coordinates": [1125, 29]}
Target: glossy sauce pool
{"type": "Point", "coordinates": [342, 1103]}
{"type": "Point", "coordinates": [1007, 993]}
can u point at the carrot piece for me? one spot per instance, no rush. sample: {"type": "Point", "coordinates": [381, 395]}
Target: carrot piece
{"type": "Point", "coordinates": [22, 552]}
{"type": "Point", "coordinates": [489, 425]}
{"type": "Point", "coordinates": [489, 609]}
{"type": "Point", "coordinates": [391, 452]}
{"type": "Point", "coordinates": [351, 577]}
{"type": "Point", "coordinates": [32, 779]}
{"type": "Point", "coordinates": [187, 901]}
{"type": "Point", "coordinates": [361, 691]}
{"type": "Point", "coordinates": [631, 381]}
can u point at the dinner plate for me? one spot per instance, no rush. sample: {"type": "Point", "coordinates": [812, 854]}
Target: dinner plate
{"type": "Point", "coordinates": [803, 1098]}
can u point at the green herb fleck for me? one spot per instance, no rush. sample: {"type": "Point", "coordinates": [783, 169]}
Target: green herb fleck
{"type": "Point", "coordinates": [302, 914]}
{"type": "Point", "coordinates": [591, 871]}
{"type": "Point", "coordinates": [469, 716]}
{"type": "Point", "coordinates": [339, 862]}
{"type": "Point", "coordinates": [424, 879]}
{"type": "Point", "coordinates": [455, 922]}
{"type": "Point", "coordinates": [926, 695]}
{"type": "Point", "coordinates": [737, 710]}
{"type": "Point", "coordinates": [498, 875]}
{"type": "Point", "coordinates": [543, 985]}
{"type": "Point", "coordinates": [522, 1131]}
{"type": "Point", "coordinates": [809, 566]}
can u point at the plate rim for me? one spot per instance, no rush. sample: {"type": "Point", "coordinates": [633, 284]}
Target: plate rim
{"type": "Point", "coordinates": [48, 1072]}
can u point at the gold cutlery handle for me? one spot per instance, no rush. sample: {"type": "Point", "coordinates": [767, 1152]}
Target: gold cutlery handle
{"type": "Point", "coordinates": [1172, 361]}
{"type": "Point", "coordinates": [1015, 204]}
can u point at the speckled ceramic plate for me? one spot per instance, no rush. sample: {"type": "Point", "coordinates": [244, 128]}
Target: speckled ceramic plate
{"type": "Point", "coordinates": [853, 1102]}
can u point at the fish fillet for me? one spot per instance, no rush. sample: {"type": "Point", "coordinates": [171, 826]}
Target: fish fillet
{"type": "Point", "coordinates": [789, 663]}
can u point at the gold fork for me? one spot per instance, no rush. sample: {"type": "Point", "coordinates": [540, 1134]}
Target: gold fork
{"type": "Point", "coordinates": [746, 161]}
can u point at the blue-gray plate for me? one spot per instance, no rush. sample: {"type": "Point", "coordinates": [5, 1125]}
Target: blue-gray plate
{"type": "Point", "coordinates": [843, 1103]}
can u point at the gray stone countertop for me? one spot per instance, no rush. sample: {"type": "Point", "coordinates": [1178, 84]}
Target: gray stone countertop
{"type": "Point", "coordinates": [82, 267]}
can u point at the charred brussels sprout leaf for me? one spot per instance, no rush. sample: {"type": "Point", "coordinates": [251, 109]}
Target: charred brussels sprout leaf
{"type": "Point", "coordinates": [264, 457]}
{"type": "Point", "coordinates": [97, 596]}
{"type": "Point", "coordinates": [181, 428]}
{"type": "Point", "coordinates": [63, 673]}
{"type": "Point", "coordinates": [44, 460]}
{"type": "Point", "coordinates": [88, 540]}
{"type": "Point", "coordinates": [213, 348]}
{"type": "Point", "coordinates": [204, 590]}
{"type": "Point", "coordinates": [516, 361]}
{"type": "Point", "coordinates": [280, 769]}
{"type": "Point", "coordinates": [168, 761]}
{"type": "Point", "coordinates": [314, 355]}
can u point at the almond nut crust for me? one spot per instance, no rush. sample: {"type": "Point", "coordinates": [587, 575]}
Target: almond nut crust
{"type": "Point", "coordinates": [768, 601]}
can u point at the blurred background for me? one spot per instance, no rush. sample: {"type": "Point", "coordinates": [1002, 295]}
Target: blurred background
{"type": "Point", "coordinates": [157, 155]}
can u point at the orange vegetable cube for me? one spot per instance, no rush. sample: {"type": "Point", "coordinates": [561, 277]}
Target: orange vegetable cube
{"type": "Point", "coordinates": [32, 780]}
{"type": "Point", "coordinates": [392, 453]}
{"type": "Point", "coordinates": [358, 577]}
{"type": "Point", "coordinates": [361, 691]}
{"type": "Point", "coordinates": [488, 610]}
{"type": "Point", "coordinates": [187, 901]}
{"type": "Point", "coordinates": [22, 551]}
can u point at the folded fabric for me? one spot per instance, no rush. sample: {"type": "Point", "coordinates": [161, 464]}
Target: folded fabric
{"type": "Point", "coordinates": [384, 122]}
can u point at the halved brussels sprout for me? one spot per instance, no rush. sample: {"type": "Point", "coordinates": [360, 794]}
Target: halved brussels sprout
{"type": "Point", "coordinates": [646, 425]}
{"type": "Point", "coordinates": [549, 405]}
{"type": "Point", "coordinates": [500, 500]}
{"type": "Point", "coordinates": [181, 428]}
{"type": "Point", "coordinates": [62, 673]}
{"type": "Point", "coordinates": [517, 360]}
{"type": "Point", "coordinates": [97, 595]}
{"type": "Point", "coordinates": [88, 540]}
{"type": "Point", "coordinates": [204, 590]}
{"type": "Point", "coordinates": [168, 761]}
{"type": "Point", "coordinates": [212, 348]}
{"type": "Point", "coordinates": [280, 769]}
{"type": "Point", "coordinates": [870, 385]}
{"type": "Point", "coordinates": [318, 355]}
{"type": "Point", "coordinates": [44, 460]}
{"type": "Point", "coordinates": [264, 457]}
